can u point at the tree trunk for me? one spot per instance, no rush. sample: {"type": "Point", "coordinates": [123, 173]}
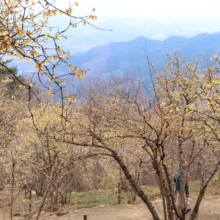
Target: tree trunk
{"type": "Point", "coordinates": [136, 187]}
{"type": "Point", "coordinates": [129, 195]}
{"type": "Point", "coordinates": [161, 187]}
{"type": "Point", "coordinates": [201, 174]}
{"type": "Point", "coordinates": [202, 191]}
{"type": "Point", "coordinates": [57, 189]}
{"type": "Point", "coordinates": [12, 189]}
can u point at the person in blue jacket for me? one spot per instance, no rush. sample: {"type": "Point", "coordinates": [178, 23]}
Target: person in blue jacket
{"type": "Point", "coordinates": [177, 186]}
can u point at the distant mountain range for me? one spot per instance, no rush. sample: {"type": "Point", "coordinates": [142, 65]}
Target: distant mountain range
{"type": "Point", "coordinates": [83, 37]}
{"type": "Point", "coordinates": [127, 29]}
{"type": "Point", "coordinates": [126, 57]}
{"type": "Point", "coordinates": [86, 37]}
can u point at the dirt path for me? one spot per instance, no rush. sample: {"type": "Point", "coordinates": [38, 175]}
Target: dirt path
{"type": "Point", "coordinates": [209, 210]}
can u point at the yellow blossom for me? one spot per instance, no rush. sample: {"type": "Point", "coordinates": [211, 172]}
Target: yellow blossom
{"type": "Point", "coordinates": [22, 86]}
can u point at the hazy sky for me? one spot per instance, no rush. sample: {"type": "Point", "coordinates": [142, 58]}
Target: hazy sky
{"type": "Point", "coordinates": [161, 10]}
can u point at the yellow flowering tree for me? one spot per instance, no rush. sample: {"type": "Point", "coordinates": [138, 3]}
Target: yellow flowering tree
{"type": "Point", "coordinates": [25, 31]}
{"type": "Point", "coordinates": [172, 125]}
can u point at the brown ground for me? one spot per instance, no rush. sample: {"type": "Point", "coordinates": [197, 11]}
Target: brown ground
{"type": "Point", "coordinates": [209, 210]}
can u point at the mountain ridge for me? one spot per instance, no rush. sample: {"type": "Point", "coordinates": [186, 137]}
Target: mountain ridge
{"type": "Point", "coordinates": [122, 57]}
{"type": "Point", "coordinates": [126, 58]}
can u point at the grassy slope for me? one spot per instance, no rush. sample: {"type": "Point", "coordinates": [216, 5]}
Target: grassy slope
{"type": "Point", "coordinates": [110, 197]}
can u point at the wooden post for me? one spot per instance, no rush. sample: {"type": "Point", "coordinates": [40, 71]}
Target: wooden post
{"type": "Point", "coordinates": [85, 217]}
{"type": "Point", "coordinates": [119, 193]}
{"type": "Point", "coordinates": [30, 197]}
{"type": "Point", "coordinates": [128, 192]}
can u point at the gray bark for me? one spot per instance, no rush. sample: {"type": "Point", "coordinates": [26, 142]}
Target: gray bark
{"type": "Point", "coordinates": [202, 191]}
